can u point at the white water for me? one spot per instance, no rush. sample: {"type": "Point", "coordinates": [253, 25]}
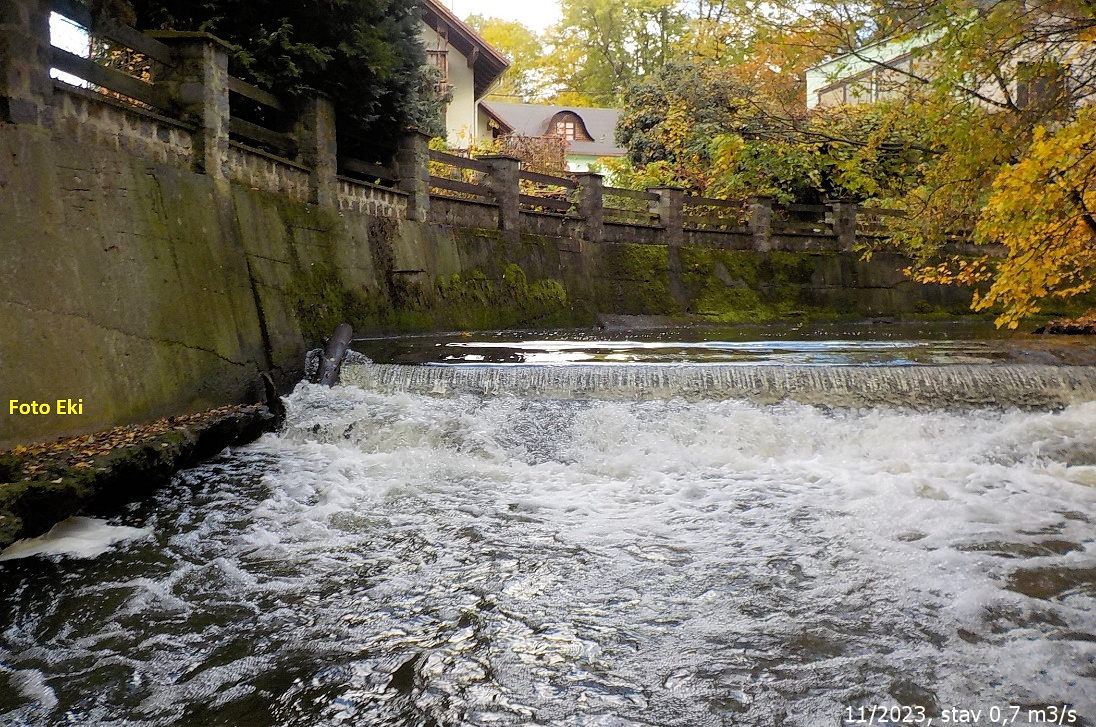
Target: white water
{"type": "Point", "coordinates": [400, 558]}
{"type": "Point", "coordinates": [77, 537]}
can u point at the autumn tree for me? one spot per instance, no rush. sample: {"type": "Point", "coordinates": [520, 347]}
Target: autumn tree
{"type": "Point", "coordinates": [981, 138]}
{"type": "Point", "coordinates": [1012, 155]}
{"type": "Point", "coordinates": [1043, 209]}
{"type": "Point", "coordinates": [601, 46]}
{"type": "Point", "coordinates": [1051, 236]}
{"type": "Point", "coordinates": [523, 82]}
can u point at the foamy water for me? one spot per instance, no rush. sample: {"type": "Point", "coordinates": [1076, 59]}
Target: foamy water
{"type": "Point", "coordinates": [77, 537]}
{"type": "Point", "coordinates": [405, 558]}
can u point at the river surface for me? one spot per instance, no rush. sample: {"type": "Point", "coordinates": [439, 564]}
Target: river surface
{"type": "Point", "coordinates": [499, 553]}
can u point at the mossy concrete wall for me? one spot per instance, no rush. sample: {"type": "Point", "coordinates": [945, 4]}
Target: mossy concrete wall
{"type": "Point", "coordinates": [149, 290]}
{"type": "Point", "coordinates": [734, 286]}
{"type": "Point", "coordinates": [121, 284]}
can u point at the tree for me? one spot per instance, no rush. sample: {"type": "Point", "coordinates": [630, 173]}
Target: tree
{"type": "Point", "coordinates": [1043, 209]}
{"type": "Point", "coordinates": [600, 47]}
{"type": "Point", "coordinates": [1051, 236]}
{"type": "Point", "coordinates": [672, 114]}
{"type": "Point", "coordinates": [984, 139]}
{"type": "Point", "coordinates": [715, 130]}
{"type": "Point", "coordinates": [522, 82]}
{"type": "Point", "coordinates": [365, 54]}
{"type": "Point", "coordinates": [1012, 155]}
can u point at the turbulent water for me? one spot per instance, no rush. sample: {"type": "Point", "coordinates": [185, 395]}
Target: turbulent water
{"type": "Point", "coordinates": [423, 554]}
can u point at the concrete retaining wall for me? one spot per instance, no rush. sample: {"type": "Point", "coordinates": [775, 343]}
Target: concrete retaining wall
{"type": "Point", "coordinates": [148, 289]}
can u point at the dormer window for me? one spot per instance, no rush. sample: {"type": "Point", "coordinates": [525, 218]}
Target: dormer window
{"type": "Point", "coordinates": [566, 129]}
{"type": "Point", "coordinates": [568, 125]}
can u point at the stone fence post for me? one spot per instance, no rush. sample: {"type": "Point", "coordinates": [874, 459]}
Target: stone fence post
{"type": "Point", "coordinates": [760, 222]}
{"type": "Point", "coordinates": [844, 223]}
{"type": "Point", "coordinates": [319, 148]}
{"type": "Point", "coordinates": [504, 185]}
{"type": "Point", "coordinates": [591, 205]}
{"type": "Point", "coordinates": [198, 84]}
{"type": "Point", "coordinates": [25, 85]}
{"type": "Point", "coordinates": [411, 167]}
{"type": "Point", "coordinates": [670, 208]}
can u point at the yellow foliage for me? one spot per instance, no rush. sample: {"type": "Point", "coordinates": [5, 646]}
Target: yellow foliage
{"type": "Point", "coordinates": [1043, 209]}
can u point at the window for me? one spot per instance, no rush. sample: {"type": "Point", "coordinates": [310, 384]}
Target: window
{"type": "Point", "coordinates": [439, 59]}
{"type": "Point", "coordinates": [1040, 84]}
{"type": "Point", "coordinates": [566, 129]}
{"type": "Point", "coordinates": [567, 125]}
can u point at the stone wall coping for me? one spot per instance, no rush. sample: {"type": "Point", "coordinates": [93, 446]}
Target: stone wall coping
{"type": "Point", "coordinates": [62, 87]}
{"type": "Point", "coordinates": [370, 185]}
{"type": "Point", "coordinates": [268, 156]}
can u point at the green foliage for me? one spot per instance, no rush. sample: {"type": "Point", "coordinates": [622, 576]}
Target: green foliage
{"type": "Point", "coordinates": [672, 114]}
{"type": "Point", "coordinates": [602, 46]}
{"type": "Point", "coordinates": [364, 54]}
{"type": "Point", "coordinates": [699, 127]}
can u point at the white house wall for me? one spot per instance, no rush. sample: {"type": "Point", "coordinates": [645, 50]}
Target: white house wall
{"type": "Point", "coordinates": [483, 123]}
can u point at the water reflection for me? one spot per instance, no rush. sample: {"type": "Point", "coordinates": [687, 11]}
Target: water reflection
{"type": "Point", "coordinates": [820, 345]}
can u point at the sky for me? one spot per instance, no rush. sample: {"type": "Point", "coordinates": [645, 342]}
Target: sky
{"type": "Point", "coordinates": [537, 14]}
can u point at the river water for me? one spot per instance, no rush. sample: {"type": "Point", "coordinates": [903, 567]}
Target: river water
{"type": "Point", "coordinates": [500, 544]}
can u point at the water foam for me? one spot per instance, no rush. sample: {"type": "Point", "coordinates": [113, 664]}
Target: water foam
{"type": "Point", "coordinates": [77, 537]}
{"type": "Point", "coordinates": [405, 558]}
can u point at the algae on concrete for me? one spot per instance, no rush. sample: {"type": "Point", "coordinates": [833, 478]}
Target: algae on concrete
{"type": "Point", "coordinates": [633, 279]}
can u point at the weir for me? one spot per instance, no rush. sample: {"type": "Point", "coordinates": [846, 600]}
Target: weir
{"type": "Point", "coordinates": [683, 545]}
{"type": "Point", "coordinates": [917, 387]}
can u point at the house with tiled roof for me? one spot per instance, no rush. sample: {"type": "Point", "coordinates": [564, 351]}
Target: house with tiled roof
{"type": "Point", "coordinates": [590, 132]}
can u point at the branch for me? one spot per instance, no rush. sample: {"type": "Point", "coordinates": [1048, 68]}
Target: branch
{"type": "Point", "coordinates": [928, 81]}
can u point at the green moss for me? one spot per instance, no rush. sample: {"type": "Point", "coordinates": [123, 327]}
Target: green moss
{"type": "Point", "coordinates": [634, 279]}
{"type": "Point", "coordinates": [473, 233]}
{"type": "Point", "coordinates": [472, 300]}
{"type": "Point", "coordinates": [733, 286]}
{"type": "Point", "coordinates": [321, 301]}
